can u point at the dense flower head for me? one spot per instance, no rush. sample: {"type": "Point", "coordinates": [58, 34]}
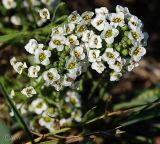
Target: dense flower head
{"type": "Point", "coordinates": [101, 41]}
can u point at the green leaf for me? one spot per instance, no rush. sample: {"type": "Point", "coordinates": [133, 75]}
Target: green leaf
{"type": "Point", "coordinates": [16, 112]}
{"type": "Point", "coordinates": [5, 137]}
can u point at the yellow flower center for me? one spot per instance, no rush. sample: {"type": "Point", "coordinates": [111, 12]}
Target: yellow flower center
{"type": "Point", "coordinates": [47, 119]}
{"type": "Point", "coordinates": [136, 51]}
{"type": "Point", "coordinates": [99, 22]}
{"type": "Point", "coordinates": [135, 35]}
{"type": "Point", "coordinates": [50, 76]}
{"type": "Point", "coordinates": [71, 41]}
{"type": "Point", "coordinates": [42, 57]}
{"type": "Point", "coordinates": [39, 105]}
{"type": "Point", "coordinates": [57, 42]}
{"type": "Point", "coordinates": [110, 55]}
{"type": "Point", "coordinates": [72, 65]}
{"type": "Point", "coordinates": [82, 28]}
{"type": "Point", "coordinates": [108, 33]}
{"type": "Point", "coordinates": [117, 20]}
{"type": "Point", "coordinates": [77, 54]}
{"type": "Point", "coordinates": [95, 41]}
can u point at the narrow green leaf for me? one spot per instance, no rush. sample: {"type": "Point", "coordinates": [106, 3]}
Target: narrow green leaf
{"type": "Point", "coordinates": [16, 112]}
{"type": "Point", "coordinates": [5, 137]}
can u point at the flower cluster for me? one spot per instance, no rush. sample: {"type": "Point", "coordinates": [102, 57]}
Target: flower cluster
{"type": "Point", "coordinates": [104, 41]}
{"type": "Point", "coordinates": [46, 115]}
{"type": "Point", "coordinates": [35, 5]}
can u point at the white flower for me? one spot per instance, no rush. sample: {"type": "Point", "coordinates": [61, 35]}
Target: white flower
{"type": "Point", "coordinates": [99, 22]}
{"type": "Point", "coordinates": [132, 64]}
{"type": "Point", "coordinates": [40, 22]}
{"type": "Point", "coordinates": [73, 98]}
{"type": "Point", "coordinates": [16, 20]}
{"type": "Point", "coordinates": [65, 122]}
{"type": "Point", "coordinates": [134, 23]}
{"type": "Point", "coordinates": [47, 2]}
{"type": "Point", "coordinates": [72, 65]}
{"type": "Point", "coordinates": [98, 66]}
{"type": "Point", "coordinates": [93, 55]}
{"type": "Point", "coordinates": [95, 42]}
{"type": "Point", "coordinates": [32, 45]}
{"type": "Point", "coordinates": [102, 11]}
{"type": "Point", "coordinates": [28, 91]}
{"type": "Point", "coordinates": [69, 79]}
{"type": "Point", "coordinates": [44, 13]}
{"type": "Point", "coordinates": [9, 4]}
{"type": "Point", "coordinates": [57, 84]}
{"type": "Point", "coordinates": [137, 52]}
{"type": "Point", "coordinates": [57, 42]}
{"type": "Point", "coordinates": [68, 28]}
{"type": "Point", "coordinates": [110, 55]}
{"type": "Point", "coordinates": [114, 76]}
{"type": "Point", "coordinates": [77, 115]}
{"type": "Point", "coordinates": [51, 75]}
{"type": "Point", "coordinates": [123, 10]}
{"type": "Point", "coordinates": [116, 19]}
{"type": "Point", "coordinates": [57, 31]}
{"type": "Point", "coordinates": [42, 56]}
{"type": "Point", "coordinates": [109, 34]}
{"type": "Point", "coordinates": [118, 65]}
{"type": "Point", "coordinates": [39, 106]}
{"type": "Point", "coordinates": [32, 3]}
{"type": "Point", "coordinates": [87, 35]}
{"type": "Point", "coordinates": [19, 67]}
{"type": "Point", "coordinates": [81, 28]}
{"type": "Point", "coordinates": [78, 53]}
{"type": "Point", "coordinates": [12, 94]}
{"type": "Point", "coordinates": [46, 121]}
{"type": "Point", "coordinates": [135, 36]}
{"type": "Point", "coordinates": [33, 71]}
{"type": "Point", "coordinates": [13, 61]}
{"type": "Point", "coordinates": [72, 40]}
{"type": "Point", "coordinates": [86, 16]}
{"type": "Point", "coordinates": [74, 17]}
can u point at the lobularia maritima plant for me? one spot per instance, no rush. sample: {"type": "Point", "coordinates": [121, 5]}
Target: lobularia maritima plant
{"type": "Point", "coordinates": [99, 41]}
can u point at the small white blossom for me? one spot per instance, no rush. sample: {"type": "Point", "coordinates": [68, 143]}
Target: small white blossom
{"type": "Point", "coordinates": [93, 55]}
{"type": "Point", "coordinates": [116, 19]}
{"type": "Point", "coordinates": [114, 76]}
{"type": "Point", "coordinates": [134, 23]}
{"type": "Point", "coordinates": [57, 31]}
{"type": "Point", "coordinates": [32, 45]}
{"type": "Point", "coordinates": [123, 10]}
{"type": "Point", "coordinates": [9, 4]}
{"type": "Point", "coordinates": [16, 20]}
{"type": "Point", "coordinates": [110, 55]}
{"type": "Point", "coordinates": [76, 115]}
{"type": "Point", "coordinates": [69, 79]}
{"type": "Point", "coordinates": [68, 28]}
{"type": "Point", "coordinates": [87, 35]}
{"type": "Point", "coordinates": [99, 22]}
{"type": "Point", "coordinates": [95, 42]}
{"type": "Point", "coordinates": [65, 122]}
{"type": "Point", "coordinates": [72, 65]}
{"type": "Point", "coordinates": [73, 98]}
{"type": "Point", "coordinates": [19, 66]}
{"type": "Point", "coordinates": [98, 66]}
{"type": "Point", "coordinates": [118, 65]}
{"type": "Point", "coordinates": [102, 11]}
{"type": "Point", "coordinates": [72, 40]}
{"type": "Point", "coordinates": [137, 52]}
{"type": "Point", "coordinates": [74, 17]}
{"type": "Point", "coordinates": [39, 106]}
{"type": "Point", "coordinates": [57, 84]}
{"type": "Point", "coordinates": [135, 36]}
{"type": "Point", "coordinates": [42, 56]}
{"type": "Point", "coordinates": [47, 2]}
{"type": "Point", "coordinates": [46, 121]}
{"type": "Point", "coordinates": [40, 22]}
{"type": "Point", "coordinates": [44, 13]}
{"type": "Point", "coordinates": [78, 53]}
{"type": "Point", "coordinates": [33, 71]}
{"type": "Point", "coordinates": [109, 34]}
{"type": "Point", "coordinates": [51, 76]}
{"type": "Point", "coordinates": [57, 42]}
{"type": "Point", "coordinates": [28, 91]}
{"type": "Point", "coordinates": [12, 94]}
{"type": "Point", "coordinates": [86, 16]}
{"type": "Point", "coordinates": [81, 28]}
{"type": "Point", "coordinates": [132, 64]}
{"type": "Point", "coordinates": [13, 61]}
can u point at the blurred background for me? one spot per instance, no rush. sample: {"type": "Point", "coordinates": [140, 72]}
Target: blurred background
{"type": "Point", "coordinates": [145, 77]}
